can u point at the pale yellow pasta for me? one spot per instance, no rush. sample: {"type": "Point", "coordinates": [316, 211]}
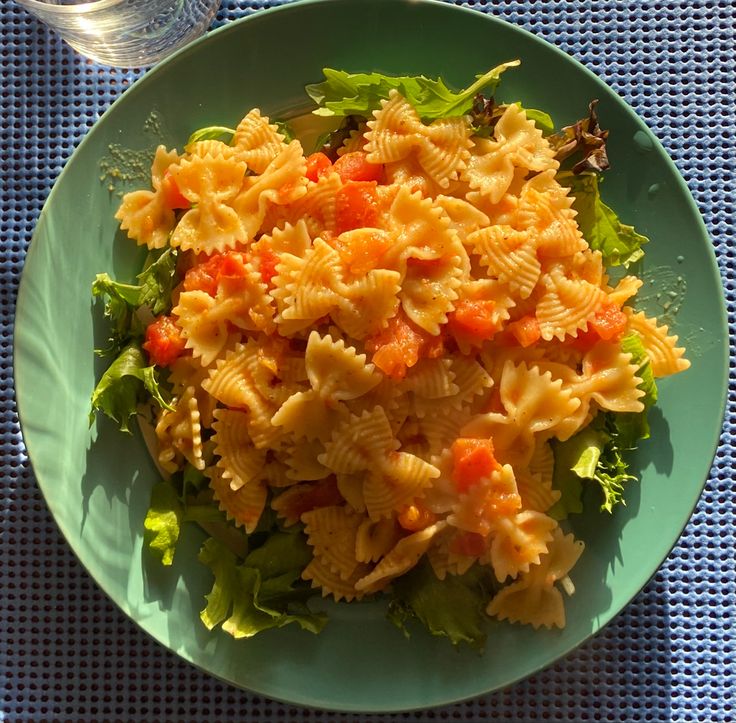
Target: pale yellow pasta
{"type": "Point", "coordinates": [534, 599]}
{"type": "Point", "coordinates": [179, 433]}
{"type": "Point", "coordinates": [341, 364]}
{"type": "Point", "coordinates": [441, 148]}
{"type": "Point", "coordinates": [257, 141]}
{"type": "Point", "coordinates": [145, 215]}
{"type": "Point", "coordinates": [517, 144]}
{"type": "Point", "coordinates": [665, 357]}
{"type": "Point", "coordinates": [243, 506]}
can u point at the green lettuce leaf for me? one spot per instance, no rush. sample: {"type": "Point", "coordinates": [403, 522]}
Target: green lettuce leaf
{"type": "Point", "coordinates": [163, 521]}
{"type": "Point", "coordinates": [265, 591]}
{"type": "Point", "coordinates": [343, 93]}
{"type": "Point", "coordinates": [454, 607]}
{"type": "Point", "coordinates": [620, 244]}
{"type": "Point", "coordinates": [596, 454]}
{"type": "Point", "coordinates": [211, 133]}
{"type": "Point", "coordinates": [286, 130]}
{"type": "Point", "coordinates": [157, 281]}
{"type": "Point", "coordinates": [633, 426]}
{"type": "Point", "coordinates": [123, 385]}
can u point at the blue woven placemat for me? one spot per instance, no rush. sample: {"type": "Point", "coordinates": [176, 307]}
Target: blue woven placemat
{"type": "Point", "coordinates": [68, 654]}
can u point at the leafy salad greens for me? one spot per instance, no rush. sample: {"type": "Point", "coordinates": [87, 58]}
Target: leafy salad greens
{"type": "Point", "coordinates": [256, 577]}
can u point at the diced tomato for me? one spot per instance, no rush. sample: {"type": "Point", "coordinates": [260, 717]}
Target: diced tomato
{"type": "Point", "coordinates": [525, 330]}
{"type": "Point", "coordinates": [362, 251]}
{"type": "Point", "coordinates": [268, 261]}
{"type": "Point", "coordinates": [468, 543]}
{"type": "Point", "coordinates": [472, 460]}
{"type": "Point", "coordinates": [206, 276]}
{"type": "Point", "coordinates": [473, 319]}
{"type": "Point", "coordinates": [356, 206]}
{"type": "Point", "coordinates": [415, 517]}
{"type": "Point", "coordinates": [355, 167]}
{"type": "Point", "coordinates": [400, 346]}
{"type": "Point", "coordinates": [317, 165]}
{"type": "Point", "coordinates": [609, 322]}
{"type": "Point", "coordinates": [312, 496]}
{"type": "Point", "coordinates": [164, 342]}
{"type": "Point", "coordinates": [173, 197]}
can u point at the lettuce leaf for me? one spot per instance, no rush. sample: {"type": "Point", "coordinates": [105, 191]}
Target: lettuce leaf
{"type": "Point", "coordinates": [163, 521]}
{"type": "Point", "coordinates": [156, 282]}
{"type": "Point", "coordinates": [265, 591]}
{"type": "Point", "coordinates": [454, 607]}
{"type": "Point", "coordinates": [620, 244]}
{"type": "Point", "coordinates": [211, 133]}
{"type": "Point", "coordinates": [343, 93]}
{"type": "Point", "coordinates": [123, 385]}
{"type": "Point", "coordinates": [585, 138]}
{"type": "Point", "coordinates": [633, 426]}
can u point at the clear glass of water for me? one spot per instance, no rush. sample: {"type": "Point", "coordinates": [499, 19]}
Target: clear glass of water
{"type": "Point", "coordinates": [125, 33]}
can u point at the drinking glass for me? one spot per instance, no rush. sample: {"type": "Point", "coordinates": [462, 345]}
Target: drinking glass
{"type": "Point", "coordinates": [127, 33]}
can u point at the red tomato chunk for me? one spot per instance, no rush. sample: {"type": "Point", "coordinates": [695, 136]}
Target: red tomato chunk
{"type": "Point", "coordinates": [164, 342]}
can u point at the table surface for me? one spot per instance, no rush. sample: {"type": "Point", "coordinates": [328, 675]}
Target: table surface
{"type": "Point", "coordinates": [68, 654]}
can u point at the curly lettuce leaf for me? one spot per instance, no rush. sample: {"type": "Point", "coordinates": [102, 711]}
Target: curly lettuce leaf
{"type": "Point", "coordinates": [454, 607]}
{"type": "Point", "coordinates": [265, 591]}
{"type": "Point", "coordinates": [343, 93]}
{"type": "Point", "coordinates": [123, 385]}
{"type": "Point", "coordinates": [122, 301]}
{"type": "Point", "coordinates": [157, 281]}
{"type": "Point", "coordinates": [586, 138]}
{"type": "Point", "coordinates": [620, 244]}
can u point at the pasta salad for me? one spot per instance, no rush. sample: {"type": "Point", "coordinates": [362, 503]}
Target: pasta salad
{"type": "Point", "coordinates": [389, 366]}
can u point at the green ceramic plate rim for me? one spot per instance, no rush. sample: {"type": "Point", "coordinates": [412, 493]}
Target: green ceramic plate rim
{"type": "Point", "coordinates": [714, 270]}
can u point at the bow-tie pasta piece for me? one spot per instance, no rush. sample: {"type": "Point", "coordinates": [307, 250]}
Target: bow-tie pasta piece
{"type": "Point", "coordinates": [567, 305]}
{"type": "Point", "coordinates": [665, 357]}
{"type": "Point", "coordinates": [239, 460]}
{"type": "Point", "coordinates": [545, 210]}
{"type": "Point", "coordinates": [534, 599]}
{"type": "Point", "coordinates": [509, 256]}
{"type": "Point", "coordinates": [464, 217]}
{"type": "Point", "coordinates": [431, 379]}
{"type": "Point", "coordinates": [374, 539]}
{"type": "Point", "coordinates": [517, 144]}
{"type": "Point", "coordinates": [204, 335]}
{"type": "Point", "coordinates": [441, 148]}
{"type": "Point", "coordinates": [257, 141]}
{"type": "Point", "coordinates": [147, 216]}
{"type": "Point", "coordinates": [536, 491]}
{"type": "Point", "coordinates": [291, 503]}
{"type": "Point", "coordinates": [321, 576]}
{"type": "Point", "coordinates": [281, 183]}
{"type": "Point", "coordinates": [180, 434]}
{"type": "Point", "coordinates": [210, 184]}
{"type": "Point", "coordinates": [518, 541]}
{"type": "Point", "coordinates": [243, 506]}
{"type": "Point", "coordinates": [337, 371]}
{"type": "Point", "coordinates": [331, 532]}
{"type": "Point", "coordinates": [399, 478]}
{"type": "Point", "coordinates": [400, 559]}
{"type": "Point", "coordinates": [360, 443]}
{"type": "Point", "coordinates": [364, 306]}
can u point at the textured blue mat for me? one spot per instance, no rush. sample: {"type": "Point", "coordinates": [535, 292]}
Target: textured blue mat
{"type": "Point", "coordinates": [67, 654]}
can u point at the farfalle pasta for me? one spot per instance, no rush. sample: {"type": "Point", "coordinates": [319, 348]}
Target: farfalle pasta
{"type": "Point", "coordinates": [385, 351]}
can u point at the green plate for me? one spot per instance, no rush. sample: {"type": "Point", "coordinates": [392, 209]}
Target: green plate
{"type": "Point", "coordinates": [97, 482]}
